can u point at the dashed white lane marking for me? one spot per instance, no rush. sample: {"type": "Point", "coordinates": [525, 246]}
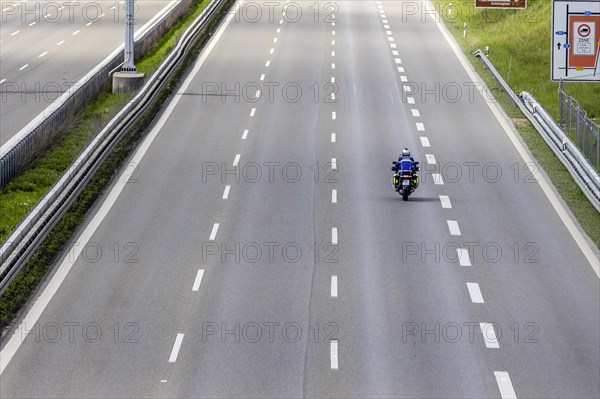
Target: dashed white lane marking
{"type": "Point", "coordinates": [75, 33]}
{"type": "Point", "coordinates": [453, 227]}
{"type": "Point", "coordinates": [407, 88]}
{"type": "Point", "coordinates": [425, 142]}
{"type": "Point", "coordinates": [385, 21]}
{"type": "Point", "coordinates": [333, 163]}
{"type": "Point", "coordinates": [278, 30]}
{"type": "Point", "coordinates": [226, 192]}
{"type": "Point", "coordinates": [334, 235]}
{"type": "Point", "coordinates": [15, 32]}
{"type": "Point", "coordinates": [333, 32]}
{"type": "Point", "coordinates": [333, 53]}
{"type": "Point", "coordinates": [420, 127]}
{"type": "Point", "coordinates": [333, 42]}
{"type": "Point", "coordinates": [23, 67]}
{"type": "Point", "coordinates": [262, 77]}
{"type": "Point", "coordinates": [410, 100]}
{"type": "Point", "coordinates": [333, 65]}
{"type": "Point", "coordinates": [391, 39]}
{"type": "Point", "coordinates": [333, 115]}
{"type": "Point", "coordinates": [271, 51]}
{"type": "Point", "coordinates": [275, 40]}
{"type": "Point", "coordinates": [49, 15]}
{"type": "Point", "coordinates": [388, 32]}
{"type": "Point", "coordinates": [334, 288]}
{"type": "Point", "coordinates": [2, 81]}
{"type": "Point", "coordinates": [281, 22]}
{"type": "Point", "coordinates": [213, 233]}
{"type": "Point", "coordinates": [437, 179]}
{"type": "Point", "coordinates": [333, 137]}
{"type": "Point", "coordinates": [89, 23]}
{"type": "Point", "coordinates": [383, 16]}
{"type": "Point", "coordinates": [401, 69]}
{"type": "Point", "coordinates": [386, 26]}
{"type": "Point", "coordinates": [489, 335]}
{"type": "Point", "coordinates": [176, 347]}
{"type": "Point", "coordinates": [506, 388]}
{"type": "Point", "coordinates": [393, 45]}
{"type": "Point", "coordinates": [430, 159]}
{"type": "Point", "coordinates": [257, 93]}
{"type": "Point", "coordinates": [43, 54]}
{"type": "Point", "coordinates": [415, 112]}
{"type": "Point", "coordinates": [163, 380]}
{"type": "Point", "coordinates": [334, 196]}
{"type": "Point", "coordinates": [395, 53]}
{"type": "Point", "coordinates": [463, 257]}
{"type": "Point", "coordinates": [268, 63]}
{"type": "Point", "coordinates": [198, 279]}
{"type": "Point", "coordinates": [332, 80]}
{"type": "Point", "coordinates": [245, 134]}
{"type": "Point", "coordinates": [445, 201]}
{"type": "Point", "coordinates": [332, 96]}
{"type": "Point", "coordinates": [253, 111]}
{"type": "Point", "coordinates": [60, 43]}
{"type": "Point", "coordinates": [403, 78]}
{"type": "Point", "coordinates": [236, 160]}
{"type": "Point", "coordinates": [475, 293]}
{"type": "Point", "coordinates": [398, 60]}
{"type": "Point", "coordinates": [333, 349]}
{"type": "Point", "coordinates": [33, 23]}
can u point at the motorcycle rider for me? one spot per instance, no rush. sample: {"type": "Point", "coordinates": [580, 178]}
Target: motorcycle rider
{"type": "Point", "coordinates": [407, 163]}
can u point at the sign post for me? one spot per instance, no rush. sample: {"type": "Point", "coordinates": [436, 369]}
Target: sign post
{"type": "Point", "coordinates": [575, 40]}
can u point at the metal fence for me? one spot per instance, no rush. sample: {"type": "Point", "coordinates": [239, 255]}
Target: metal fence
{"type": "Point", "coordinates": [574, 121]}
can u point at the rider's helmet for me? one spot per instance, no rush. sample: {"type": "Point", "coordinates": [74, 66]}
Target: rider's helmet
{"type": "Point", "coordinates": [405, 153]}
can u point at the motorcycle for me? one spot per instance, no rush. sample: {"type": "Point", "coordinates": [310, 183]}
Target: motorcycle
{"type": "Point", "coordinates": [405, 182]}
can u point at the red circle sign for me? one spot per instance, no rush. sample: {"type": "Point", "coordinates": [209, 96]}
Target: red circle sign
{"type": "Point", "coordinates": [584, 30]}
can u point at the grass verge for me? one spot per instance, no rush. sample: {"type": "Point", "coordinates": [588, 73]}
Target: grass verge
{"type": "Point", "coordinates": [26, 282]}
{"type": "Point", "coordinates": [503, 31]}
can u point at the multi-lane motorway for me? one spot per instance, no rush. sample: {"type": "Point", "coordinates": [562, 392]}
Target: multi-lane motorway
{"type": "Point", "coordinates": [47, 46]}
{"type": "Point", "coordinates": [255, 248]}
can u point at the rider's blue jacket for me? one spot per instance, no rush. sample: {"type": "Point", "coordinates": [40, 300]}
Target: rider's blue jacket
{"type": "Point", "coordinates": [405, 164]}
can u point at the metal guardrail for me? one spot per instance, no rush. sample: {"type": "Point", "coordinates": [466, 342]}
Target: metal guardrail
{"type": "Point", "coordinates": [44, 131]}
{"type": "Point", "coordinates": [17, 249]}
{"type": "Point", "coordinates": [584, 174]}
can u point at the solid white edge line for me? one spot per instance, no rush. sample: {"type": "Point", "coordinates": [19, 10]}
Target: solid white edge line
{"type": "Point", "coordinates": [505, 385]}
{"type": "Point", "coordinates": [592, 258]}
{"type": "Point", "coordinates": [333, 349]}
{"type": "Point", "coordinates": [176, 347]}
{"type": "Point", "coordinates": [334, 287]}
{"type": "Point", "coordinates": [198, 280]}
{"type": "Point", "coordinates": [475, 293]}
{"type": "Point", "coordinates": [226, 192]}
{"type": "Point", "coordinates": [334, 235]}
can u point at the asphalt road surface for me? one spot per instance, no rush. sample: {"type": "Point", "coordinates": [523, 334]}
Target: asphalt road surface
{"type": "Point", "coordinates": [254, 246]}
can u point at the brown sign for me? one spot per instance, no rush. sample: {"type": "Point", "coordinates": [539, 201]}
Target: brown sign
{"type": "Point", "coordinates": [501, 3]}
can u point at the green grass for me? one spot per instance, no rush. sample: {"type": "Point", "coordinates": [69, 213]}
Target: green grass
{"type": "Point", "coordinates": [26, 282]}
{"type": "Point", "coordinates": [530, 72]}
{"type": "Point", "coordinates": [523, 36]}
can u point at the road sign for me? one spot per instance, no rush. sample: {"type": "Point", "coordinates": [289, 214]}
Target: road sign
{"type": "Point", "coordinates": [501, 4]}
{"type": "Point", "coordinates": [576, 40]}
